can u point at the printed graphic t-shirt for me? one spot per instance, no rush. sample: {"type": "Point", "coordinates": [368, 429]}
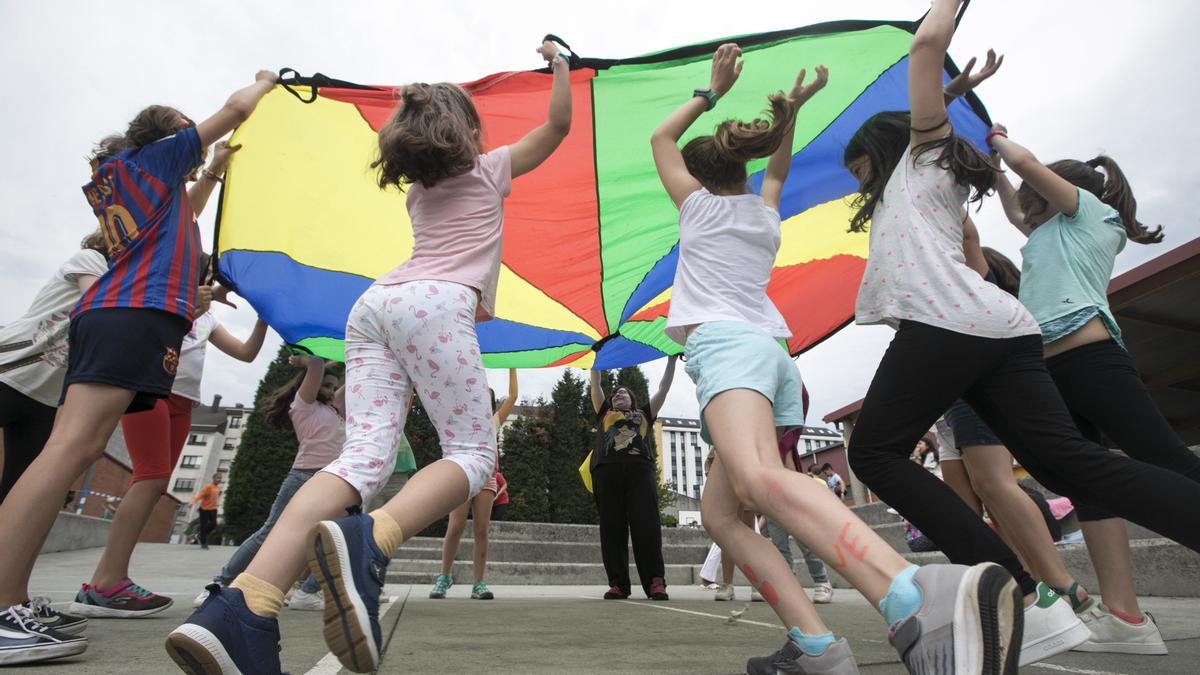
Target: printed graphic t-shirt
{"type": "Point", "coordinates": [624, 436]}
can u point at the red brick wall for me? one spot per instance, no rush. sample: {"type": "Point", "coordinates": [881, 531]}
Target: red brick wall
{"type": "Point", "coordinates": [112, 478]}
{"type": "Point", "coordinates": [835, 456]}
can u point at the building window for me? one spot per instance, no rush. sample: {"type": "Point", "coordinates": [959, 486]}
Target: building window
{"type": "Point", "coordinates": [235, 422]}
{"type": "Point", "coordinates": [195, 439]}
{"type": "Point", "coordinates": [185, 485]}
{"type": "Point", "coordinates": [190, 462]}
{"type": "Point", "coordinates": [229, 446]}
{"type": "Point", "coordinates": [223, 465]}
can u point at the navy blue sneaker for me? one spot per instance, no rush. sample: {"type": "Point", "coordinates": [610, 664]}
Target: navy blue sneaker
{"type": "Point", "coordinates": [224, 637]}
{"type": "Point", "coordinates": [351, 570]}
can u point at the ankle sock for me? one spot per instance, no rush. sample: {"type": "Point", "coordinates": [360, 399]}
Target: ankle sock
{"type": "Point", "coordinates": [261, 596]}
{"type": "Point", "coordinates": [109, 591]}
{"type": "Point", "coordinates": [813, 645]}
{"type": "Point", "coordinates": [387, 533]}
{"type": "Point", "coordinates": [1128, 618]}
{"type": "Point", "coordinates": [903, 598]}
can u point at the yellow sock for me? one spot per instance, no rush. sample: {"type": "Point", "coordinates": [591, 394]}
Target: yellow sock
{"type": "Point", "coordinates": [261, 597]}
{"type": "Point", "coordinates": [388, 535]}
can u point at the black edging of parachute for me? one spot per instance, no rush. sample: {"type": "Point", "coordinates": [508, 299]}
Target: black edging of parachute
{"type": "Point", "coordinates": [216, 254]}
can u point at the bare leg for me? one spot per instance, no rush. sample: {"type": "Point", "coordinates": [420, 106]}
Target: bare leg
{"type": "Point", "coordinates": [727, 565]}
{"type": "Point", "coordinates": [1108, 547]}
{"type": "Point", "coordinates": [742, 426]}
{"type": "Point", "coordinates": [135, 509]}
{"type": "Point", "coordinates": [84, 423]}
{"type": "Point", "coordinates": [954, 474]}
{"type": "Point", "coordinates": [454, 532]}
{"type": "Point", "coordinates": [481, 519]}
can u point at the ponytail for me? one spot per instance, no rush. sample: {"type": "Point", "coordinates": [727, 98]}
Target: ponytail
{"type": "Point", "coordinates": [1116, 192]}
{"type": "Point", "coordinates": [719, 161]}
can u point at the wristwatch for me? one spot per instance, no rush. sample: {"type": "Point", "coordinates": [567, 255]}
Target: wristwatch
{"type": "Point", "coordinates": [708, 96]}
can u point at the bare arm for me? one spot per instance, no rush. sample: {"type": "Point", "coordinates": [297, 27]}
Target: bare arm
{"type": "Point", "coordinates": [1008, 199]}
{"type": "Point", "coordinates": [237, 109]}
{"type": "Point", "coordinates": [242, 351]}
{"type": "Point", "coordinates": [84, 281]}
{"type": "Point", "coordinates": [507, 406]}
{"type": "Point", "coordinates": [664, 142]}
{"type": "Point", "coordinates": [660, 396]}
{"type": "Point", "coordinates": [926, 56]}
{"type": "Point", "coordinates": [780, 162]}
{"type": "Point", "coordinates": [597, 391]}
{"type": "Point", "coordinates": [311, 383]}
{"type": "Point", "coordinates": [537, 145]}
{"type": "Point", "coordinates": [972, 249]}
{"type": "Point", "coordinates": [202, 189]}
{"type": "Point", "coordinates": [1058, 192]}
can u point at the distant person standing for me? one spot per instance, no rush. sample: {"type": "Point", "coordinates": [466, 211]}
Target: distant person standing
{"type": "Point", "coordinates": [834, 480]}
{"type": "Point", "coordinates": [209, 498]}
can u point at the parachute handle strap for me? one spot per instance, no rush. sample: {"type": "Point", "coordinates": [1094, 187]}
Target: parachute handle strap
{"type": "Point", "coordinates": [564, 49]}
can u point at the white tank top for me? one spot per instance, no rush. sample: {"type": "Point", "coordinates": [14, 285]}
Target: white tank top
{"type": "Point", "coordinates": [727, 247]}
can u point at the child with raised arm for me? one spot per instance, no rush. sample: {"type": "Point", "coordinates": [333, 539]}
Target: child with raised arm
{"type": "Point", "coordinates": [981, 345]}
{"type": "Point", "coordinates": [749, 391]}
{"type": "Point", "coordinates": [413, 329]}
{"type": "Point", "coordinates": [1078, 217]}
{"type": "Point", "coordinates": [125, 333]}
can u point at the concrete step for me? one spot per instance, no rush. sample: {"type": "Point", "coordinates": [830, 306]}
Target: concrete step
{"type": "Point", "coordinates": [510, 530]}
{"type": "Point", "coordinates": [875, 513]}
{"type": "Point", "coordinates": [408, 571]}
{"type": "Point", "coordinates": [72, 532]}
{"type": "Point", "coordinates": [501, 550]}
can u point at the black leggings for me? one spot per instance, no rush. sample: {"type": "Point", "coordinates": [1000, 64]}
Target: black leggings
{"type": "Point", "coordinates": [1105, 394]}
{"type": "Point", "coordinates": [627, 500]}
{"type": "Point", "coordinates": [27, 426]}
{"type": "Point", "coordinates": [1005, 380]}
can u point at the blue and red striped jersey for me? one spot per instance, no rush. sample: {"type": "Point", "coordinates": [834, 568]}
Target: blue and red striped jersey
{"type": "Point", "coordinates": [140, 197]}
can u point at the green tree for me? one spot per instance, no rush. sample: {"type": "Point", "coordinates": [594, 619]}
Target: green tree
{"type": "Point", "coordinates": [571, 437]}
{"type": "Point", "coordinates": [526, 451]}
{"type": "Point", "coordinates": [263, 458]}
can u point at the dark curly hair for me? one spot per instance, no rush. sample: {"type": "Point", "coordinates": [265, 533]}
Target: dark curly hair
{"type": "Point", "coordinates": [434, 134]}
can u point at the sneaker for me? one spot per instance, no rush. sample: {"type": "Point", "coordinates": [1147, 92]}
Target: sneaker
{"type": "Point", "coordinates": [791, 660]}
{"type": "Point", "coordinates": [1114, 635]}
{"type": "Point", "coordinates": [306, 602]}
{"type": "Point", "coordinates": [969, 621]}
{"type": "Point", "coordinates": [725, 593]}
{"type": "Point", "coordinates": [1050, 627]}
{"type": "Point", "coordinates": [54, 619]}
{"type": "Point", "coordinates": [480, 591]}
{"type": "Point", "coordinates": [755, 596]}
{"type": "Point", "coordinates": [440, 586]}
{"type": "Point", "coordinates": [822, 594]}
{"type": "Point", "coordinates": [23, 639]}
{"type": "Point", "coordinates": [129, 601]}
{"type": "Point", "coordinates": [343, 556]}
{"type": "Point", "coordinates": [615, 593]}
{"type": "Point", "coordinates": [224, 636]}
{"type": "Point", "coordinates": [201, 598]}
{"type": "Point", "coordinates": [658, 589]}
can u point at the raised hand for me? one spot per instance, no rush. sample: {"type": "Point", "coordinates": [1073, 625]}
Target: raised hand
{"type": "Point", "coordinates": [221, 294]}
{"type": "Point", "coordinates": [204, 298]}
{"type": "Point", "coordinates": [548, 50]}
{"type": "Point", "coordinates": [966, 80]}
{"type": "Point", "coordinates": [726, 67]}
{"type": "Point", "coordinates": [305, 360]}
{"type": "Point", "coordinates": [221, 154]}
{"type": "Point", "coordinates": [266, 76]}
{"type": "Point", "coordinates": [801, 93]}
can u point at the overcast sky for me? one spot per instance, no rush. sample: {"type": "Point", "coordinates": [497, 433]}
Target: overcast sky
{"type": "Point", "coordinates": [1080, 77]}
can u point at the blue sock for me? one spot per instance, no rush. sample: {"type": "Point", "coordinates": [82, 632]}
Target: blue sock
{"type": "Point", "coordinates": [903, 598]}
{"type": "Point", "coordinates": [813, 645]}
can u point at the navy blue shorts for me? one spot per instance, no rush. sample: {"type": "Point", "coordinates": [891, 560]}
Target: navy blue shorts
{"type": "Point", "coordinates": [131, 348]}
{"type": "Point", "coordinates": [969, 429]}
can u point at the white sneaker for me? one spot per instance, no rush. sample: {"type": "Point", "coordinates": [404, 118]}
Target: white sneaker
{"type": "Point", "coordinates": [1051, 627]}
{"type": "Point", "coordinates": [306, 602]}
{"type": "Point", "coordinates": [755, 596]}
{"type": "Point", "coordinates": [822, 594]}
{"type": "Point", "coordinates": [725, 592]}
{"type": "Point", "coordinates": [1114, 635]}
{"type": "Point", "coordinates": [200, 598]}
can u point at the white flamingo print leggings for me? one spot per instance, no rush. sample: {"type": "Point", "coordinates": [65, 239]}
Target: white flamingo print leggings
{"type": "Point", "coordinates": [419, 334]}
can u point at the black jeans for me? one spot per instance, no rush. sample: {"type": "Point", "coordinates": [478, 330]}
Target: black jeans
{"type": "Point", "coordinates": [1104, 392]}
{"type": "Point", "coordinates": [27, 426]}
{"type": "Point", "coordinates": [208, 523]}
{"type": "Point", "coordinates": [627, 498]}
{"type": "Point", "coordinates": [1005, 380]}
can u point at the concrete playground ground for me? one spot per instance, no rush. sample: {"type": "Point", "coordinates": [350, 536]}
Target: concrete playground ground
{"type": "Point", "coordinates": [535, 629]}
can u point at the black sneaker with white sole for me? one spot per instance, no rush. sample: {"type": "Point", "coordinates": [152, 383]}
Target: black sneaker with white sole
{"type": "Point", "coordinates": [24, 640]}
{"type": "Point", "coordinates": [54, 619]}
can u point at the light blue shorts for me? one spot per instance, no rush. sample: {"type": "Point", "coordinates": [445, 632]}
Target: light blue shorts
{"type": "Point", "coordinates": [725, 355]}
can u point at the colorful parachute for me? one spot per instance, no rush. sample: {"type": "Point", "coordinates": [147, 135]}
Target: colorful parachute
{"type": "Point", "coordinates": [590, 237]}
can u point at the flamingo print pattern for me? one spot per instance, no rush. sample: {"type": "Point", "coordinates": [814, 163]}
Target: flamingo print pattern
{"type": "Point", "coordinates": [416, 335]}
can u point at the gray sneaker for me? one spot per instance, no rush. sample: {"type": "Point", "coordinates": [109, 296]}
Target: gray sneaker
{"type": "Point", "coordinates": [791, 660]}
{"type": "Point", "coordinates": [969, 622]}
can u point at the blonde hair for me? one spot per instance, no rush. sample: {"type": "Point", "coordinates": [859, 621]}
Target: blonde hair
{"type": "Point", "coordinates": [434, 134]}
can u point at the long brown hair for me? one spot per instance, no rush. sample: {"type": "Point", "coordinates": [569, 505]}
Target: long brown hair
{"type": "Point", "coordinates": [719, 161]}
{"type": "Point", "coordinates": [434, 134]}
{"type": "Point", "coordinates": [1110, 187]}
{"type": "Point", "coordinates": [280, 404]}
{"type": "Point", "coordinates": [96, 241]}
{"type": "Point", "coordinates": [884, 137]}
{"type": "Point", "coordinates": [1008, 277]}
{"type": "Point", "coordinates": [151, 124]}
